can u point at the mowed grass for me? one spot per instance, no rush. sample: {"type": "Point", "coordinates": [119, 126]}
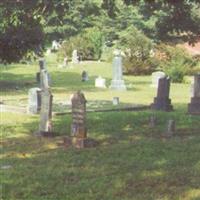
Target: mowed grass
{"type": "Point", "coordinates": [132, 161]}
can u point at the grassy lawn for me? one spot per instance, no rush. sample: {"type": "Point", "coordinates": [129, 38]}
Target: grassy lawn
{"type": "Point", "coordinates": [132, 162]}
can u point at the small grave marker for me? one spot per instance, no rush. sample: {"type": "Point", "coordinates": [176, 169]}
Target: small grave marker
{"type": "Point", "coordinates": [100, 82]}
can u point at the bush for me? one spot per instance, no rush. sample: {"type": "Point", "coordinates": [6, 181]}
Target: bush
{"type": "Point", "coordinates": [88, 44]}
{"type": "Point", "coordinates": [175, 62]}
{"type": "Point", "coordinates": [137, 48]}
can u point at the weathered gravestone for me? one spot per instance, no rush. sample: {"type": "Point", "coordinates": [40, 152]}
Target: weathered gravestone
{"type": "Point", "coordinates": [162, 101]}
{"type": "Point", "coordinates": [194, 106]}
{"type": "Point", "coordinates": [155, 78]}
{"type": "Point", "coordinates": [78, 137]}
{"type": "Point", "coordinates": [44, 79]}
{"type": "Point", "coordinates": [42, 66]}
{"type": "Point", "coordinates": [100, 82]}
{"type": "Point", "coordinates": [78, 127]}
{"type": "Point", "coordinates": [84, 76]}
{"type": "Point", "coordinates": [117, 82]}
{"type": "Point", "coordinates": [45, 126]}
{"type": "Point", "coordinates": [34, 100]}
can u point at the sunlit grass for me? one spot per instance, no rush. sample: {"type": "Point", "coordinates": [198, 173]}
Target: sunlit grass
{"type": "Point", "coordinates": [132, 161]}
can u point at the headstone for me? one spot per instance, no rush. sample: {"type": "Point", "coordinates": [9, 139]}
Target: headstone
{"type": "Point", "coordinates": [34, 100]}
{"type": "Point", "coordinates": [155, 78]}
{"type": "Point", "coordinates": [84, 76]}
{"type": "Point", "coordinates": [162, 101]}
{"type": "Point", "coordinates": [100, 82]}
{"type": "Point", "coordinates": [75, 59]}
{"type": "Point", "coordinates": [194, 105]}
{"type": "Point", "coordinates": [45, 126]}
{"type": "Point", "coordinates": [117, 82]}
{"type": "Point", "coordinates": [42, 64]}
{"type": "Point", "coordinates": [55, 45]}
{"type": "Point", "coordinates": [171, 126]}
{"type": "Point", "coordinates": [44, 79]}
{"type": "Point", "coordinates": [115, 101]}
{"type": "Point", "coordinates": [78, 127]}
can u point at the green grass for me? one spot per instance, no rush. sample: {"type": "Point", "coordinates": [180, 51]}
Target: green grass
{"type": "Point", "coordinates": [132, 161]}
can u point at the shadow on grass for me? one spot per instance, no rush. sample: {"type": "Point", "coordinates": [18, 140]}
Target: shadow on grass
{"type": "Point", "coordinates": [131, 162]}
{"type": "Point", "coordinates": [11, 82]}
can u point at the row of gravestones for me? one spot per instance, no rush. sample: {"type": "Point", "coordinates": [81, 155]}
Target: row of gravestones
{"type": "Point", "coordinates": [79, 138]}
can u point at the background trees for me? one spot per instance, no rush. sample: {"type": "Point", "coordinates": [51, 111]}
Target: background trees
{"type": "Point", "coordinates": [28, 26]}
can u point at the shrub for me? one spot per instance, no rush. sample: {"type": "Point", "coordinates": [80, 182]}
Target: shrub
{"type": "Point", "coordinates": [137, 48]}
{"type": "Point", "coordinates": [175, 61]}
{"type": "Point", "coordinates": [88, 45]}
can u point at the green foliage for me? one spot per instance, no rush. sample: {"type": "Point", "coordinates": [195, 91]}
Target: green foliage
{"type": "Point", "coordinates": [137, 48]}
{"type": "Point", "coordinates": [20, 29]}
{"type": "Point", "coordinates": [176, 62]}
{"type": "Point", "coordinates": [89, 45]}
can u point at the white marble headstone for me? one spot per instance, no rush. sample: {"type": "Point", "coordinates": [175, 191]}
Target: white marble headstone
{"type": "Point", "coordinates": [115, 101]}
{"type": "Point", "coordinates": [117, 82]}
{"type": "Point", "coordinates": [155, 78]}
{"type": "Point", "coordinates": [100, 82]}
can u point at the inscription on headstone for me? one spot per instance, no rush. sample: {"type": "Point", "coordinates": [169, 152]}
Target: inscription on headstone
{"type": "Point", "coordinates": [78, 128]}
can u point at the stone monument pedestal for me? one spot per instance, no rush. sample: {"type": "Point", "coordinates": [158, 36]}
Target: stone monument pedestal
{"type": "Point", "coordinates": [118, 85]}
{"type": "Point", "coordinates": [162, 104]}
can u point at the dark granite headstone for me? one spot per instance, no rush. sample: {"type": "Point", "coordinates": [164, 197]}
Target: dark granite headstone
{"type": "Point", "coordinates": [84, 76]}
{"type": "Point", "coordinates": [162, 101]}
{"type": "Point", "coordinates": [194, 106]}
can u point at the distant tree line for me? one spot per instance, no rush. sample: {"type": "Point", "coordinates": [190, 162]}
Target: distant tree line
{"type": "Point", "coordinates": [27, 26]}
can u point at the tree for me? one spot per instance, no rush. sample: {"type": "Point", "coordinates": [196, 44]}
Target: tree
{"type": "Point", "coordinates": [174, 18]}
{"type": "Point", "coordinates": [20, 29]}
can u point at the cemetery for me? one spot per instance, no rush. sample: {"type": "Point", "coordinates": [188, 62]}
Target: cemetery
{"type": "Point", "coordinates": [82, 121]}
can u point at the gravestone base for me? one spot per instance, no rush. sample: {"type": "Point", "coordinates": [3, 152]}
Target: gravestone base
{"type": "Point", "coordinates": [43, 134]}
{"type": "Point", "coordinates": [162, 104]}
{"type": "Point", "coordinates": [79, 143]}
{"type": "Point", "coordinates": [118, 85]}
{"type": "Point", "coordinates": [194, 106]}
